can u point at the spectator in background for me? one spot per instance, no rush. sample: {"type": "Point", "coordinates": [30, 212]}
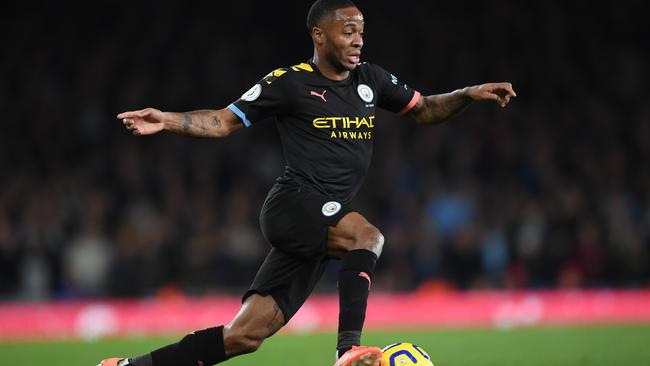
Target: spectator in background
{"type": "Point", "coordinates": [88, 257]}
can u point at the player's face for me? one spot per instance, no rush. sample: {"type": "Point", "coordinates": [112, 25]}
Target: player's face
{"type": "Point", "coordinates": [344, 39]}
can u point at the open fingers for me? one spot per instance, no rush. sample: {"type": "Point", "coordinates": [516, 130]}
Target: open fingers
{"type": "Point", "coordinates": [131, 114]}
{"type": "Point", "coordinates": [130, 125]}
{"type": "Point", "coordinates": [128, 122]}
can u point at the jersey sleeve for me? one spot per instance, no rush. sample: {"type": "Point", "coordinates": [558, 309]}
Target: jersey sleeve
{"type": "Point", "coordinates": [394, 95]}
{"type": "Point", "coordinates": [265, 99]}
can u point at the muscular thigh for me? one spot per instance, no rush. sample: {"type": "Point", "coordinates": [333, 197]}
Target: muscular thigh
{"type": "Point", "coordinates": [296, 219]}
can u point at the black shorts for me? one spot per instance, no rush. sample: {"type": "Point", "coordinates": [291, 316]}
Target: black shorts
{"type": "Point", "coordinates": [295, 221]}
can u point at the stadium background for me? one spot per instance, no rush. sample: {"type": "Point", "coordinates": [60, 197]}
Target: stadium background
{"type": "Point", "coordinates": [552, 193]}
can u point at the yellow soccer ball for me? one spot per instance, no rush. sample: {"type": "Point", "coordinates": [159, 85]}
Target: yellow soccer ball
{"type": "Point", "coordinates": [405, 354]}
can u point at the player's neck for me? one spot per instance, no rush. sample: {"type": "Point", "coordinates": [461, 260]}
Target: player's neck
{"type": "Point", "coordinates": [328, 70]}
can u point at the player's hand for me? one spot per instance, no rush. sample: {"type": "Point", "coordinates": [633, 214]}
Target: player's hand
{"type": "Point", "coordinates": [143, 122]}
{"type": "Point", "coordinates": [498, 92]}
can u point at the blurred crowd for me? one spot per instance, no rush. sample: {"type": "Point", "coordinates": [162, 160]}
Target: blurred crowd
{"type": "Point", "coordinates": [553, 191]}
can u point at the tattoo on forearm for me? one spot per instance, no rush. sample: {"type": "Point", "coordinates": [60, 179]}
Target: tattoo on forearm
{"type": "Point", "coordinates": [203, 126]}
{"type": "Point", "coordinates": [436, 109]}
{"type": "Point", "coordinates": [439, 108]}
{"type": "Point", "coordinates": [203, 123]}
{"type": "Point", "coordinates": [187, 122]}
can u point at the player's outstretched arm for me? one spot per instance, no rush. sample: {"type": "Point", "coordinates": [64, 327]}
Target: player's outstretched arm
{"type": "Point", "coordinates": [204, 123]}
{"type": "Point", "coordinates": [435, 109]}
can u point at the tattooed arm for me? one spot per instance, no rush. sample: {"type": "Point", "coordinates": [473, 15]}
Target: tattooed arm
{"type": "Point", "coordinates": [435, 109]}
{"type": "Point", "coordinates": [204, 123]}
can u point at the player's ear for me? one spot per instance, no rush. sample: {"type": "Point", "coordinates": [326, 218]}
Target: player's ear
{"type": "Point", "coordinates": [318, 36]}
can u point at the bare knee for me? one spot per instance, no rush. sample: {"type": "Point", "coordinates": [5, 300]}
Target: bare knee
{"type": "Point", "coordinates": [353, 232]}
{"type": "Point", "coordinates": [238, 341]}
{"type": "Point", "coordinates": [370, 238]}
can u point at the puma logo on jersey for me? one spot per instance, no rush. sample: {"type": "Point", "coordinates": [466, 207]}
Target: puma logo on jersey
{"type": "Point", "coordinates": [322, 95]}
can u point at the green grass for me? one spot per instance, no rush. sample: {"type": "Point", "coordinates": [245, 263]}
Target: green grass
{"type": "Point", "coordinates": [622, 345]}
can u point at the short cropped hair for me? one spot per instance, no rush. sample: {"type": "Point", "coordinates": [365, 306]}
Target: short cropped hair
{"type": "Point", "coordinates": [321, 9]}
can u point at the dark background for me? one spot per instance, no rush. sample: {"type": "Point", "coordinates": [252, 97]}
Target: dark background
{"type": "Point", "coordinates": [552, 192]}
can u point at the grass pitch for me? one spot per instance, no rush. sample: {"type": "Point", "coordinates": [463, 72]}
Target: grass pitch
{"type": "Point", "coordinates": [583, 346]}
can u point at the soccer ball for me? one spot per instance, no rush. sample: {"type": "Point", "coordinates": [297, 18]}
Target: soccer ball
{"type": "Point", "coordinates": [405, 354]}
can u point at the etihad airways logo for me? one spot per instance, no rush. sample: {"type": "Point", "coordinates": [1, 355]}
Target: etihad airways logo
{"type": "Point", "coordinates": [354, 128]}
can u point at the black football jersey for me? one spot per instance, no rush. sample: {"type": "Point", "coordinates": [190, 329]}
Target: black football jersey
{"type": "Point", "coordinates": [326, 126]}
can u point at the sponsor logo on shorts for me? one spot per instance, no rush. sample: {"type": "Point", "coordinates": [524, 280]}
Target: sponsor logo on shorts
{"type": "Point", "coordinates": [252, 94]}
{"type": "Point", "coordinates": [331, 208]}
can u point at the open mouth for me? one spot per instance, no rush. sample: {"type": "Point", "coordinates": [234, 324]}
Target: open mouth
{"type": "Point", "coordinates": [354, 59]}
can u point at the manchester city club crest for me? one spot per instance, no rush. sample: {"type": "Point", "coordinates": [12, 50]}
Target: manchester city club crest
{"type": "Point", "coordinates": [365, 93]}
{"type": "Point", "coordinates": [331, 208]}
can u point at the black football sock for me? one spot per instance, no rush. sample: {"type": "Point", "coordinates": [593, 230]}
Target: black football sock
{"type": "Point", "coordinates": [354, 285]}
{"type": "Point", "coordinates": [201, 348]}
